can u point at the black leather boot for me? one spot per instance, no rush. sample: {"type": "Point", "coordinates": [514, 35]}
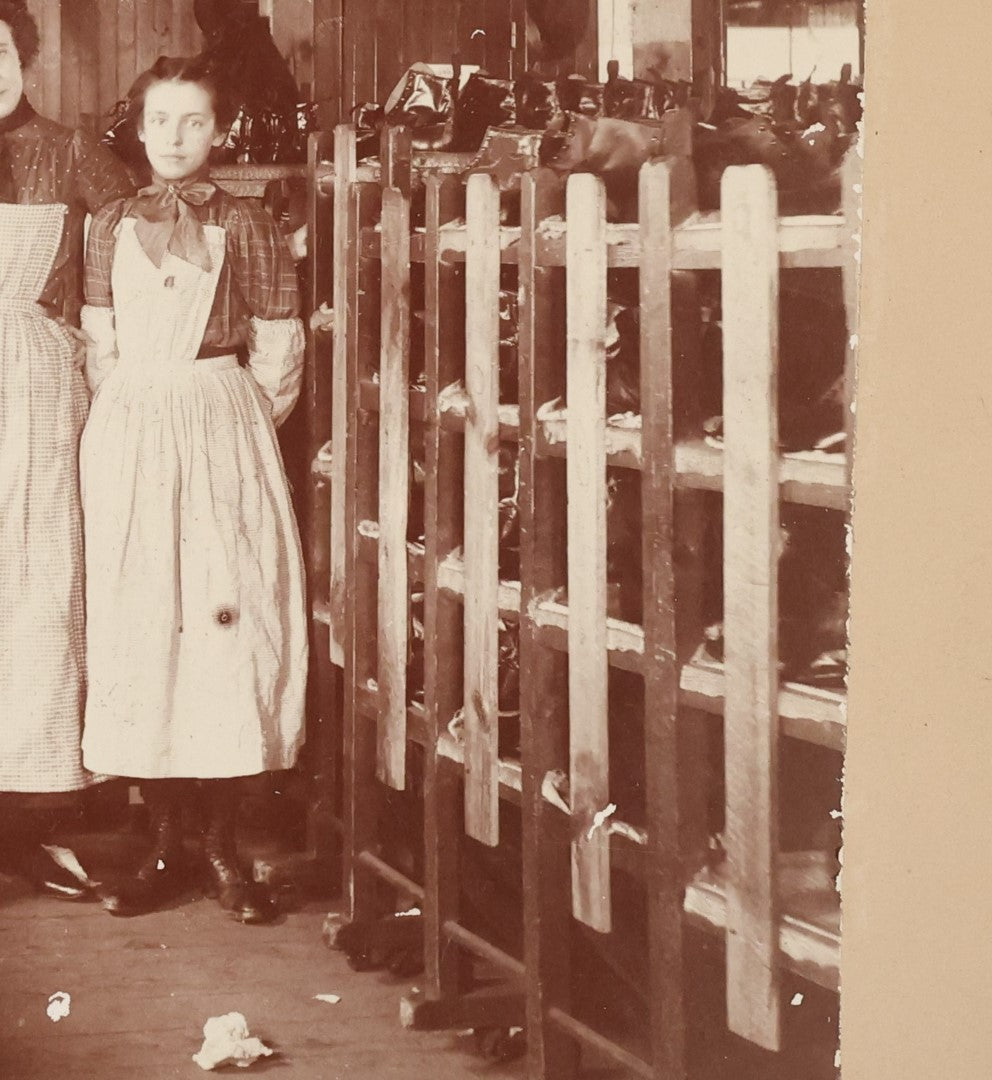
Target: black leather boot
{"type": "Point", "coordinates": [164, 873]}
{"type": "Point", "coordinates": [245, 900]}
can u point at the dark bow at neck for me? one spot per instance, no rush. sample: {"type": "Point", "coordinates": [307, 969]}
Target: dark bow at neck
{"type": "Point", "coordinates": [165, 220]}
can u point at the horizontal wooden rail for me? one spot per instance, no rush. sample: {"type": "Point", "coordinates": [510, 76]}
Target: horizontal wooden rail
{"type": "Point", "coordinates": [808, 477]}
{"type": "Point", "coordinates": [591, 1038]}
{"type": "Point", "coordinates": [807, 242]}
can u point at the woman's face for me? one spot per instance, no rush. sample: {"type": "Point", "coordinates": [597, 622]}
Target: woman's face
{"type": "Point", "coordinates": [178, 128]}
{"type": "Point", "coordinates": [11, 76]}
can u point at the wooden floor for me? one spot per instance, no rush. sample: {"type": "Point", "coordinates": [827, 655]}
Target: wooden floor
{"type": "Point", "coordinates": [141, 989]}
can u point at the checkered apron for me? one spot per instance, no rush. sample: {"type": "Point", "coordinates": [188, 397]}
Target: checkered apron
{"type": "Point", "coordinates": [42, 411]}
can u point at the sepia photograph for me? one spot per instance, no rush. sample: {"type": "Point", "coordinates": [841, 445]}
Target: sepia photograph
{"type": "Point", "coordinates": [426, 446]}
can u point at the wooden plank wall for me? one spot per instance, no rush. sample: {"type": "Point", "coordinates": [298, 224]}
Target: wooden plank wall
{"type": "Point", "coordinates": [92, 51]}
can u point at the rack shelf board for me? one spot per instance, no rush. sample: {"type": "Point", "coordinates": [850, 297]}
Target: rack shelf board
{"type": "Point", "coordinates": [810, 478]}
{"type": "Point", "coordinates": [809, 930]}
{"type": "Point", "coordinates": [805, 712]}
{"type": "Point", "coordinates": [810, 925]}
{"type": "Point", "coordinates": [807, 242]}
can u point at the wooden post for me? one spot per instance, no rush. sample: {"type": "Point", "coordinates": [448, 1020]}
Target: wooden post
{"type": "Point", "coordinates": [361, 796]}
{"type": "Point", "coordinates": [328, 61]}
{"type": "Point", "coordinates": [586, 477]}
{"type": "Point", "coordinates": [552, 1055]}
{"type": "Point", "coordinates": [444, 330]}
{"type": "Point", "coordinates": [663, 759]}
{"type": "Point", "coordinates": [482, 268]}
{"type": "Point", "coordinates": [46, 78]}
{"type": "Point", "coordinates": [344, 171]}
{"type": "Point", "coordinates": [394, 486]}
{"type": "Point", "coordinates": [751, 545]}
{"type": "Point", "coordinates": [325, 678]}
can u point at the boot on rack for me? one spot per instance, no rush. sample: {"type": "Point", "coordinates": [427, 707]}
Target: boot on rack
{"type": "Point", "coordinates": [164, 873]}
{"type": "Point", "coordinates": [247, 901]}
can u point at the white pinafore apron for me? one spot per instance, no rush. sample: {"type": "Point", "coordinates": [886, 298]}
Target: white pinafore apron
{"type": "Point", "coordinates": [42, 411]}
{"type": "Point", "coordinates": [196, 616]}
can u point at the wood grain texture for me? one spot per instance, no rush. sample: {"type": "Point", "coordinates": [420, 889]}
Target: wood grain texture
{"type": "Point", "coordinates": [546, 858]}
{"type": "Point", "coordinates": [481, 704]}
{"type": "Point", "coordinates": [751, 543]}
{"type": "Point", "coordinates": [44, 79]}
{"type": "Point", "coordinates": [444, 353]}
{"type": "Point", "coordinates": [663, 760]}
{"type": "Point", "coordinates": [394, 487]}
{"type": "Point", "coordinates": [589, 752]}
{"type": "Point", "coordinates": [328, 60]}
{"type": "Point", "coordinates": [344, 170]}
{"type": "Point", "coordinates": [362, 794]}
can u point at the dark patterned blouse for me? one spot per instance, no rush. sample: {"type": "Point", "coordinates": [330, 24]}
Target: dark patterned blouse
{"type": "Point", "coordinates": [258, 278]}
{"type": "Point", "coordinates": [50, 163]}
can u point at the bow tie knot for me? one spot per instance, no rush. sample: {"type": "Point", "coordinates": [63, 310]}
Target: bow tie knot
{"type": "Point", "coordinates": [166, 222]}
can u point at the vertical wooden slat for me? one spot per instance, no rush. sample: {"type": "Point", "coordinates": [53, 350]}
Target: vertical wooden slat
{"type": "Point", "coordinates": [551, 1054]}
{"type": "Point", "coordinates": [110, 90]}
{"type": "Point", "coordinates": [344, 171]}
{"type": "Point", "coordinates": [358, 84]}
{"type": "Point", "coordinates": [661, 669]}
{"type": "Point", "coordinates": [444, 30]}
{"type": "Point", "coordinates": [326, 677]}
{"type": "Point", "coordinates": [394, 487]}
{"type": "Point", "coordinates": [482, 267]}
{"type": "Point", "coordinates": [361, 798]}
{"type": "Point", "coordinates": [145, 36]}
{"type": "Point", "coordinates": [328, 60]}
{"type": "Point", "coordinates": [586, 477]}
{"type": "Point", "coordinates": [127, 56]}
{"type": "Point", "coordinates": [89, 71]}
{"type": "Point", "coordinates": [163, 29]}
{"type": "Point", "coordinates": [44, 79]}
{"type": "Point", "coordinates": [73, 15]}
{"type": "Point", "coordinates": [444, 330]}
{"type": "Point", "coordinates": [751, 542]}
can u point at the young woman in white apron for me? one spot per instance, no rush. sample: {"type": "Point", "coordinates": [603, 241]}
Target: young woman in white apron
{"type": "Point", "coordinates": [196, 617]}
{"type": "Point", "coordinates": [50, 177]}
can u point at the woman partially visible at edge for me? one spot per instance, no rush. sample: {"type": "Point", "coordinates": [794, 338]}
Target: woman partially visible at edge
{"type": "Point", "coordinates": [195, 592]}
{"type": "Point", "coordinates": [50, 177]}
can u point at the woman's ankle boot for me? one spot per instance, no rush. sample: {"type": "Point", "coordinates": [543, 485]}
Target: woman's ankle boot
{"type": "Point", "coordinates": [247, 901]}
{"type": "Point", "coordinates": [164, 873]}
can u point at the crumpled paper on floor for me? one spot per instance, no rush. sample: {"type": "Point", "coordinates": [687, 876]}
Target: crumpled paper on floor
{"type": "Point", "coordinates": [226, 1042]}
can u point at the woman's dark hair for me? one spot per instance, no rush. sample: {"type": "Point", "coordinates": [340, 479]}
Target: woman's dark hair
{"type": "Point", "coordinates": [23, 29]}
{"type": "Point", "coordinates": [191, 69]}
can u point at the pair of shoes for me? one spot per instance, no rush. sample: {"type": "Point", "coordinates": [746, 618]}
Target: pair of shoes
{"type": "Point", "coordinates": [167, 872]}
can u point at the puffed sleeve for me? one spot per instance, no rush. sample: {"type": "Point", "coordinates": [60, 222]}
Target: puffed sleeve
{"type": "Point", "coordinates": [265, 274]}
{"type": "Point", "coordinates": [100, 175]}
{"type": "Point", "coordinates": [97, 315]}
